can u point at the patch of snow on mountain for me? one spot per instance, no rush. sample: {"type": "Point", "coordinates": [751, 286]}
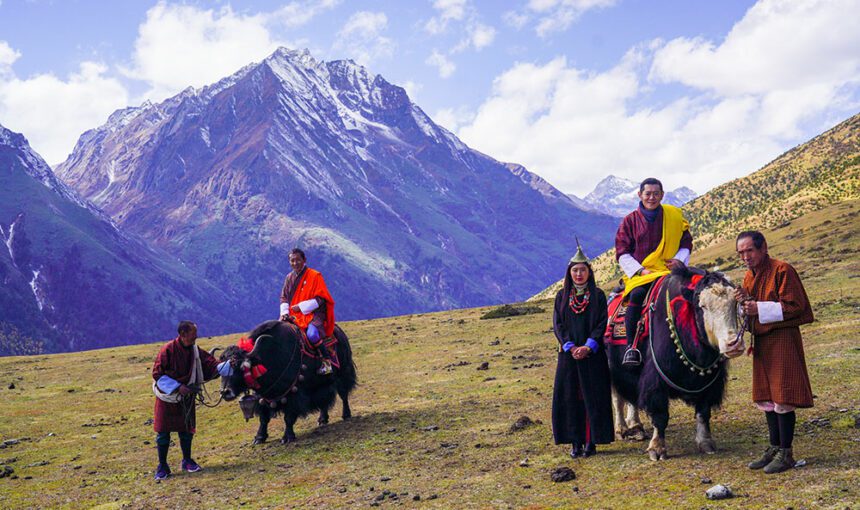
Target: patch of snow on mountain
{"type": "Point", "coordinates": [34, 286]}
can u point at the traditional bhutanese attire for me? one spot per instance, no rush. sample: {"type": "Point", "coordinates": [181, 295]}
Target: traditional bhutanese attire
{"type": "Point", "coordinates": [307, 289]}
{"type": "Point", "coordinates": [779, 365]}
{"type": "Point", "coordinates": [176, 361]}
{"type": "Point", "coordinates": [648, 238]}
{"type": "Point", "coordinates": [582, 398]}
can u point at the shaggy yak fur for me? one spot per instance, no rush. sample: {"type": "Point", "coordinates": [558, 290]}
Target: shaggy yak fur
{"type": "Point", "coordinates": [646, 388]}
{"type": "Point", "coordinates": [312, 391]}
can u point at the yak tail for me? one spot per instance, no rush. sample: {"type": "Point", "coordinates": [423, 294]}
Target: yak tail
{"type": "Point", "coordinates": [348, 379]}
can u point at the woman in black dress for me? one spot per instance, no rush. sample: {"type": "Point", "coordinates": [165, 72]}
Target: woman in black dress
{"type": "Point", "coordinates": [582, 399]}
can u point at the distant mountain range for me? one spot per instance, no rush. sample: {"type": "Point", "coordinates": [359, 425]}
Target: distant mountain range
{"type": "Point", "coordinates": [810, 177]}
{"type": "Point", "coordinates": [617, 196]}
{"type": "Point", "coordinates": [397, 213]}
{"type": "Point", "coordinates": [71, 280]}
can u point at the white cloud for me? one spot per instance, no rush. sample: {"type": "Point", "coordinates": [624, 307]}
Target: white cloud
{"type": "Point", "coordinates": [448, 10]}
{"type": "Point", "coordinates": [181, 45]}
{"type": "Point", "coordinates": [296, 14]}
{"type": "Point", "coordinates": [8, 55]}
{"type": "Point", "coordinates": [52, 112]}
{"type": "Point", "coordinates": [515, 19]}
{"type": "Point", "coordinates": [452, 118]}
{"type": "Point", "coordinates": [481, 35]}
{"type": "Point", "coordinates": [412, 89]}
{"type": "Point", "coordinates": [558, 15]}
{"type": "Point", "coordinates": [778, 45]}
{"type": "Point", "coordinates": [442, 63]}
{"type": "Point", "coordinates": [784, 73]}
{"type": "Point", "coordinates": [361, 37]}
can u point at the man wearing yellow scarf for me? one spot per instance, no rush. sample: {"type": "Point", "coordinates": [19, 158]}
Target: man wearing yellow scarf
{"type": "Point", "coordinates": [650, 242]}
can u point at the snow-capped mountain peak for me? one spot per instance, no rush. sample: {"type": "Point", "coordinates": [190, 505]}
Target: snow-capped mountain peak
{"type": "Point", "coordinates": [618, 196]}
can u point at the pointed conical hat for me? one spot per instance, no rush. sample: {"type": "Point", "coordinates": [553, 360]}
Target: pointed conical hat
{"type": "Point", "coordinates": [580, 257]}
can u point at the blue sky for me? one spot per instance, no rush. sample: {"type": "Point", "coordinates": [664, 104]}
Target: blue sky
{"type": "Point", "coordinates": [694, 92]}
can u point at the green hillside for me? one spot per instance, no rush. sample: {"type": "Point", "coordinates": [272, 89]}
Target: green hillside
{"type": "Point", "coordinates": [823, 171]}
{"type": "Point", "coordinates": [810, 177]}
{"type": "Point", "coordinates": [429, 424]}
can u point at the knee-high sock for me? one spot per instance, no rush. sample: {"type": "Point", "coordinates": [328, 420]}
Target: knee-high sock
{"type": "Point", "coordinates": [185, 443]}
{"type": "Point", "coordinates": [786, 429]}
{"type": "Point", "coordinates": [162, 454]}
{"type": "Point", "coordinates": [772, 427]}
{"type": "Point", "coordinates": [162, 443]}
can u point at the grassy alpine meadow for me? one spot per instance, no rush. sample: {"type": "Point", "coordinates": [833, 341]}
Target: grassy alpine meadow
{"type": "Point", "coordinates": [433, 419]}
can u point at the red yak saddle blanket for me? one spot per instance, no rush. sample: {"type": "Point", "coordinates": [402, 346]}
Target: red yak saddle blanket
{"type": "Point", "coordinates": [616, 330]}
{"type": "Point", "coordinates": [330, 342]}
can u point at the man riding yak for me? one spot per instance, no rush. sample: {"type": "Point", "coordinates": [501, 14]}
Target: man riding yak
{"type": "Point", "coordinates": [305, 301]}
{"type": "Point", "coordinates": [650, 242]}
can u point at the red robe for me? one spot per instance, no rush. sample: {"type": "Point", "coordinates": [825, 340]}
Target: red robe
{"type": "Point", "coordinates": [176, 361]}
{"type": "Point", "coordinates": [639, 237]}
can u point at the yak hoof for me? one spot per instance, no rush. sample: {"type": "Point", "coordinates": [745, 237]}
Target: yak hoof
{"type": "Point", "coordinates": [658, 454]}
{"type": "Point", "coordinates": [288, 439]}
{"type": "Point", "coordinates": [635, 433]}
{"type": "Point", "coordinates": [259, 440]}
{"type": "Point", "coordinates": [346, 417]}
{"type": "Point", "coordinates": [322, 422]}
{"type": "Point", "coordinates": [709, 446]}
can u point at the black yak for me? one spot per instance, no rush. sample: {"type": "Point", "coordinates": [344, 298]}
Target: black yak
{"type": "Point", "coordinates": [290, 383]}
{"type": "Point", "coordinates": [693, 331]}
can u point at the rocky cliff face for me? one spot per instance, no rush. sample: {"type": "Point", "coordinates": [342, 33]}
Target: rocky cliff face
{"type": "Point", "coordinates": [70, 280]}
{"type": "Point", "coordinates": [397, 213]}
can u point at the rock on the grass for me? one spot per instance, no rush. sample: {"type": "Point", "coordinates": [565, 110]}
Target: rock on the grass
{"type": "Point", "coordinates": [521, 423]}
{"type": "Point", "coordinates": [484, 365]}
{"type": "Point", "coordinates": [719, 491]}
{"type": "Point", "coordinates": [6, 471]}
{"type": "Point", "coordinates": [562, 474]}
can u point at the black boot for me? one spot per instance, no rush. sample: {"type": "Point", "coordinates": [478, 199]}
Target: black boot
{"type": "Point", "coordinates": [590, 449]}
{"type": "Point", "coordinates": [325, 366]}
{"type": "Point", "coordinates": [632, 357]}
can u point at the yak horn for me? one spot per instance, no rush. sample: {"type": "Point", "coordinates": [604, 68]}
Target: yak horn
{"type": "Point", "coordinates": [214, 350]}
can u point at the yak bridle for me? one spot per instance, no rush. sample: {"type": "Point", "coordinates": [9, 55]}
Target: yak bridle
{"type": "Point", "coordinates": [237, 362]}
{"type": "Point", "coordinates": [682, 354]}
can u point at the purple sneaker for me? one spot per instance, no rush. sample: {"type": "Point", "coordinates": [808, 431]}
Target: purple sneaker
{"type": "Point", "coordinates": [162, 472]}
{"type": "Point", "coordinates": [190, 466]}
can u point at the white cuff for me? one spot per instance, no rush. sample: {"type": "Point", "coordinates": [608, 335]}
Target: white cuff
{"type": "Point", "coordinates": [308, 306]}
{"type": "Point", "coordinates": [285, 308]}
{"type": "Point", "coordinates": [769, 312]}
{"type": "Point", "coordinates": [629, 265]}
{"type": "Point", "coordinates": [683, 255]}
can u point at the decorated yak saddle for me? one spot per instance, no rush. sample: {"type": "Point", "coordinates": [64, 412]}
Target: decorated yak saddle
{"type": "Point", "coordinates": [616, 331]}
{"type": "Point", "coordinates": [309, 350]}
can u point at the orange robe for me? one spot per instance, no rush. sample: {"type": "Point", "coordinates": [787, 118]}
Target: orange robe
{"type": "Point", "coordinates": [779, 365]}
{"type": "Point", "coordinates": [312, 286]}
